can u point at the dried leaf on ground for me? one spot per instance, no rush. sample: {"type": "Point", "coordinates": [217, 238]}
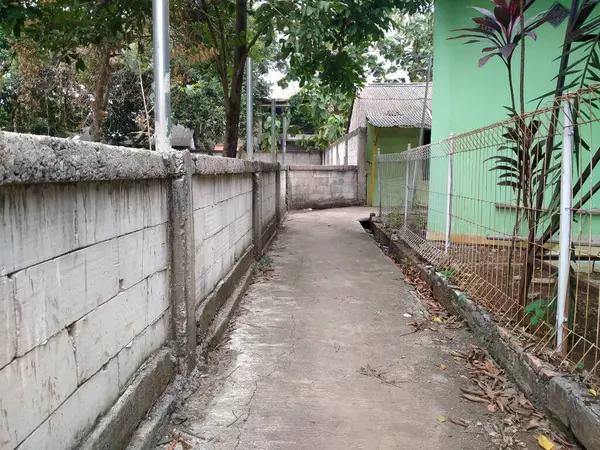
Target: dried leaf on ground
{"type": "Point", "coordinates": [545, 443]}
{"type": "Point", "coordinates": [459, 422]}
{"type": "Point", "coordinates": [443, 366]}
{"type": "Point", "coordinates": [179, 440]}
{"type": "Point", "coordinates": [475, 398]}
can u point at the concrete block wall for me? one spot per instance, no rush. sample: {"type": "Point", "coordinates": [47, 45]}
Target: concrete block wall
{"type": "Point", "coordinates": [353, 144]}
{"type": "Point", "coordinates": [323, 187]}
{"type": "Point", "coordinates": [268, 198]}
{"type": "Point", "coordinates": [348, 150]}
{"type": "Point", "coordinates": [291, 158]}
{"type": "Point", "coordinates": [223, 226]}
{"type": "Point", "coordinates": [82, 263]}
{"type": "Point", "coordinates": [105, 254]}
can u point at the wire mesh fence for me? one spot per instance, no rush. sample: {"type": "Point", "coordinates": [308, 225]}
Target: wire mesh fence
{"type": "Point", "coordinates": [509, 214]}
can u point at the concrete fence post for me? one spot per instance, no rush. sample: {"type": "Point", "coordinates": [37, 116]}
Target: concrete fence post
{"type": "Point", "coordinates": [362, 165]}
{"type": "Point", "coordinates": [346, 150]}
{"type": "Point", "coordinates": [288, 189]}
{"type": "Point", "coordinates": [257, 215]}
{"type": "Point", "coordinates": [182, 276]}
{"type": "Point", "coordinates": [278, 196]}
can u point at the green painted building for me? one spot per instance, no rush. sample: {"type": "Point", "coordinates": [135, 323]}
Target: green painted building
{"type": "Point", "coordinates": [392, 114]}
{"type": "Point", "coordinates": [467, 97]}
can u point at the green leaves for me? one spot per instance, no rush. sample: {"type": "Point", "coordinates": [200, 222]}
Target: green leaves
{"type": "Point", "coordinates": [500, 30]}
{"type": "Point", "coordinates": [330, 39]}
{"type": "Point", "coordinates": [539, 309]}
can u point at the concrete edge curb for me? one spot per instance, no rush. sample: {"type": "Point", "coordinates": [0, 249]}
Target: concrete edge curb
{"type": "Point", "coordinates": [561, 396]}
{"type": "Point", "coordinates": [220, 323]}
{"type": "Point", "coordinates": [208, 309]}
{"type": "Point", "coordinates": [118, 425]}
{"type": "Point", "coordinates": [154, 425]}
{"type": "Point", "coordinates": [269, 235]}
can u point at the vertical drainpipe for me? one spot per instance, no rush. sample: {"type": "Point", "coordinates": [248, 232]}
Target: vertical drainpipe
{"type": "Point", "coordinates": [162, 75]}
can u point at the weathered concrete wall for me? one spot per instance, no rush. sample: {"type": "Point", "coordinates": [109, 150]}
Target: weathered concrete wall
{"type": "Point", "coordinates": [268, 197]}
{"type": "Point", "coordinates": [85, 270]}
{"type": "Point", "coordinates": [223, 226]}
{"type": "Point", "coordinates": [291, 159]}
{"type": "Point", "coordinates": [322, 186]}
{"type": "Point", "coordinates": [106, 253]}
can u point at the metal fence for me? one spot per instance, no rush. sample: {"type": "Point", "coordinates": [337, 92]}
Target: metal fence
{"type": "Point", "coordinates": [510, 215]}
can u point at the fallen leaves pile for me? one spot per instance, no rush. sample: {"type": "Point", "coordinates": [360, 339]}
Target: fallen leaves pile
{"type": "Point", "coordinates": [438, 314]}
{"type": "Point", "coordinates": [489, 386]}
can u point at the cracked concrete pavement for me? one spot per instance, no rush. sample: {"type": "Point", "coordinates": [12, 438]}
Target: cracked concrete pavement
{"type": "Point", "coordinates": [319, 356]}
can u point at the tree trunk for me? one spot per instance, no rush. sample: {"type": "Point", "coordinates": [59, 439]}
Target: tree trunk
{"type": "Point", "coordinates": [234, 102]}
{"type": "Point", "coordinates": [100, 95]}
{"type": "Point", "coordinates": [232, 128]}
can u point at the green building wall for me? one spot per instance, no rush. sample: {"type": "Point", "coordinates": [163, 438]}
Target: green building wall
{"type": "Point", "coordinates": [465, 98]}
{"type": "Point", "coordinates": [389, 140]}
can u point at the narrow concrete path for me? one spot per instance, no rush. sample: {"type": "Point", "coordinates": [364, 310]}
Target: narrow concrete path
{"type": "Point", "coordinates": [320, 356]}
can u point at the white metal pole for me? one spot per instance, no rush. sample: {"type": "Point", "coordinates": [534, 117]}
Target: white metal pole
{"type": "Point", "coordinates": [273, 137]}
{"type": "Point", "coordinates": [249, 110]}
{"type": "Point", "coordinates": [407, 188]}
{"type": "Point", "coordinates": [449, 194]}
{"type": "Point", "coordinates": [284, 138]}
{"type": "Point", "coordinates": [566, 216]}
{"type": "Point", "coordinates": [379, 182]}
{"type": "Point", "coordinates": [162, 75]}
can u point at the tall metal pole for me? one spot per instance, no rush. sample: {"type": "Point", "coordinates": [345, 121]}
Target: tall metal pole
{"type": "Point", "coordinates": [162, 75]}
{"type": "Point", "coordinates": [449, 195]}
{"type": "Point", "coordinates": [284, 138]}
{"type": "Point", "coordinates": [422, 134]}
{"type": "Point", "coordinates": [379, 182]}
{"type": "Point", "coordinates": [566, 219]}
{"type": "Point", "coordinates": [249, 110]}
{"type": "Point", "coordinates": [273, 137]}
{"type": "Point", "coordinates": [407, 191]}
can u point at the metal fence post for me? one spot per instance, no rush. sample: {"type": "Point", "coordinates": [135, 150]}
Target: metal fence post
{"type": "Point", "coordinates": [379, 182]}
{"type": "Point", "coordinates": [449, 194]}
{"type": "Point", "coordinates": [162, 71]}
{"type": "Point", "coordinates": [249, 110]}
{"type": "Point", "coordinates": [407, 188]}
{"type": "Point", "coordinates": [566, 217]}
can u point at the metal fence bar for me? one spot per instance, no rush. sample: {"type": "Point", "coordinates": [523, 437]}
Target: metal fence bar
{"type": "Point", "coordinates": [566, 219]}
{"type": "Point", "coordinates": [449, 195]}
{"type": "Point", "coordinates": [515, 226]}
{"type": "Point", "coordinates": [406, 195]}
{"type": "Point", "coordinates": [380, 192]}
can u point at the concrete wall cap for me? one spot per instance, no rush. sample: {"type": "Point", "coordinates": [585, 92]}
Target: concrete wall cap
{"type": "Point", "coordinates": [26, 158]}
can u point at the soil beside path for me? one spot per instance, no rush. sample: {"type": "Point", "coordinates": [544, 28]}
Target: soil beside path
{"type": "Point", "coordinates": [321, 356]}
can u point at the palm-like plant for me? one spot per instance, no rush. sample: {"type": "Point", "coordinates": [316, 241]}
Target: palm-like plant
{"type": "Point", "coordinates": [501, 30]}
{"type": "Point", "coordinates": [529, 167]}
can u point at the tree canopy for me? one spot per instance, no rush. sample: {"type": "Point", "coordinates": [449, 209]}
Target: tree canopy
{"type": "Point", "coordinates": [70, 64]}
